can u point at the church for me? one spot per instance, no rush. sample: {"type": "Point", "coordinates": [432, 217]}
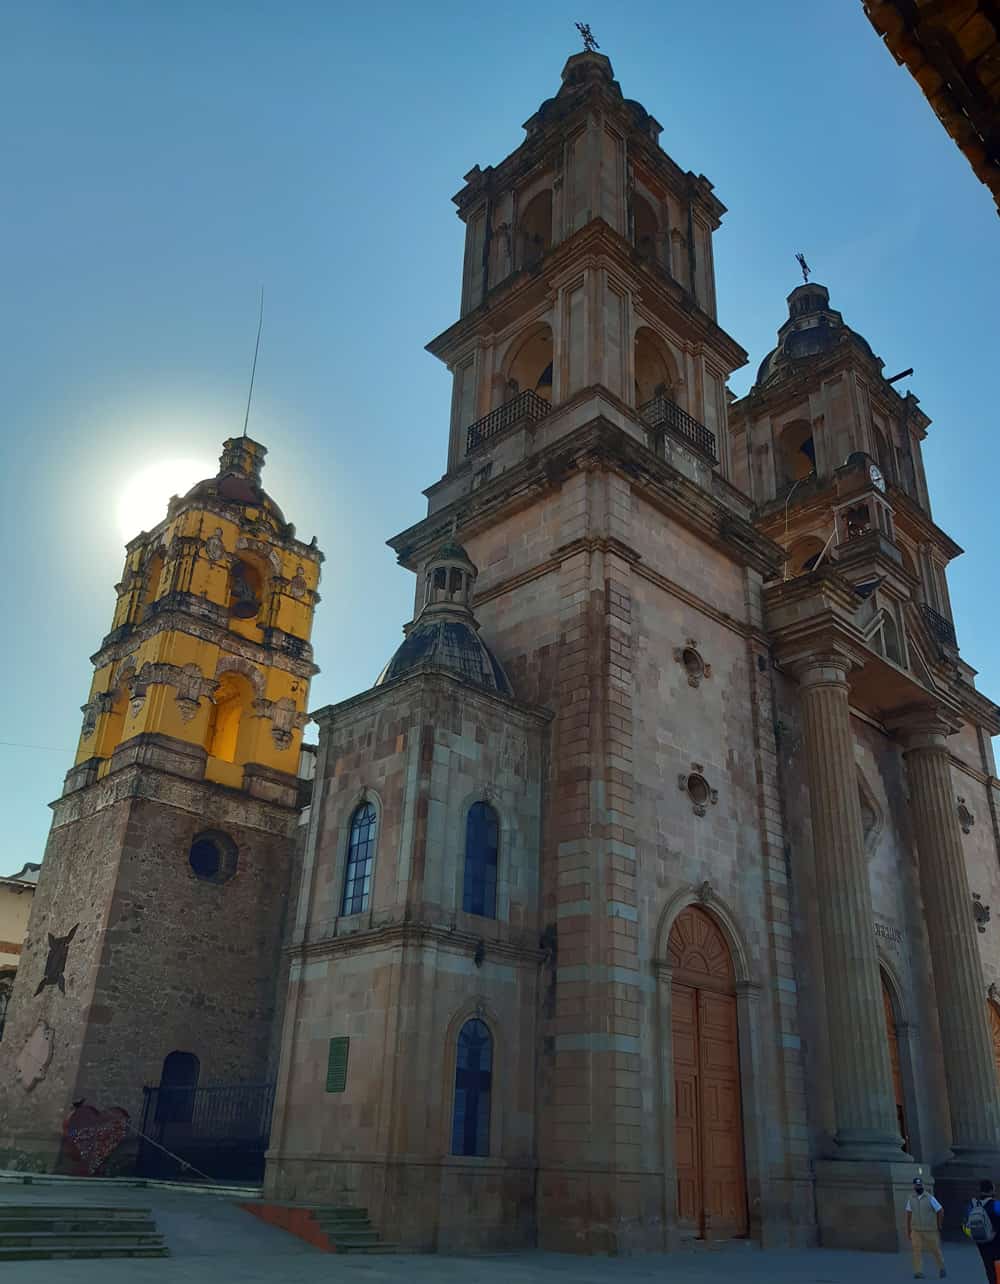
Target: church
{"type": "Point", "coordinates": [645, 896]}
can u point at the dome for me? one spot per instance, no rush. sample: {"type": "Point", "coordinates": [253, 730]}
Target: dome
{"type": "Point", "coordinates": [452, 645]}
{"type": "Point", "coordinates": [238, 479]}
{"type": "Point", "coordinates": [445, 636]}
{"type": "Point", "coordinates": [812, 328]}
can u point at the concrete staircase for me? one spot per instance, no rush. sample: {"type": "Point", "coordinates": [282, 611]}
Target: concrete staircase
{"type": "Point", "coordinates": [332, 1229]}
{"type": "Point", "coordinates": [37, 1232]}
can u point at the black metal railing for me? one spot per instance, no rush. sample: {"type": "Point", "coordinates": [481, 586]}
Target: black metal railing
{"type": "Point", "coordinates": [663, 413]}
{"type": "Point", "coordinates": [943, 630]}
{"type": "Point", "coordinates": [526, 405]}
{"type": "Point", "coordinates": [220, 1131]}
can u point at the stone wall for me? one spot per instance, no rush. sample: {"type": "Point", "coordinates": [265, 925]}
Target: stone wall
{"type": "Point", "coordinates": [400, 979]}
{"type": "Point", "coordinates": [160, 961]}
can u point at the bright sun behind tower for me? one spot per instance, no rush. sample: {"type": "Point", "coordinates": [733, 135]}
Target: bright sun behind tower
{"type": "Point", "coordinates": [143, 501]}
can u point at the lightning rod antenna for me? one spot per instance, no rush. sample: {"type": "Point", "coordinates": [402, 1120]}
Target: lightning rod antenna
{"type": "Point", "coordinates": [253, 368]}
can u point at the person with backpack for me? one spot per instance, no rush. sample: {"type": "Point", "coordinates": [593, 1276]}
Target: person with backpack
{"type": "Point", "coordinates": [923, 1228]}
{"type": "Point", "coordinates": [982, 1221]}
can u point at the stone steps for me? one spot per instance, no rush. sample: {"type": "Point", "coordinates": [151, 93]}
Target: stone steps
{"type": "Point", "coordinates": [332, 1229]}
{"type": "Point", "coordinates": [36, 1232]}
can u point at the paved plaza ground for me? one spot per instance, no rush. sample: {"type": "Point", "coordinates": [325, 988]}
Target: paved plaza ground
{"type": "Point", "coordinates": [214, 1242]}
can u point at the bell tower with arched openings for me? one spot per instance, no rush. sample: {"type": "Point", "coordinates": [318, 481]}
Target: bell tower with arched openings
{"type": "Point", "coordinates": [172, 850]}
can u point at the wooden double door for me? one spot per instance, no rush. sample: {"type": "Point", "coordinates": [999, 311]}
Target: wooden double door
{"type": "Point", "coordinates": [711, 1175]}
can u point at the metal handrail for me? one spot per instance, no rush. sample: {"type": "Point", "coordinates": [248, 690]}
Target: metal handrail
{"type": "Point", "coordinates": [942, 628]}
{"type": "Point", "coordinates": [526, 405]}
{"type": "Point", "coordinates": [661, 412]}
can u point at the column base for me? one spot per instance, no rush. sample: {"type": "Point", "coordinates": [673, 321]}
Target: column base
{"type": "Point", "coordinates": [860, 1203]}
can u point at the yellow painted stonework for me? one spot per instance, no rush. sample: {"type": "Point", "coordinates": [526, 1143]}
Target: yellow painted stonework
{"type": "Point", "coordinates": [209, 641]}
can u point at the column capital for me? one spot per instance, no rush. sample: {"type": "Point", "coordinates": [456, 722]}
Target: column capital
{"type": "Point", "coordinates": [825, 666]}
{"type": "Point", "coordinates": [923, 727]}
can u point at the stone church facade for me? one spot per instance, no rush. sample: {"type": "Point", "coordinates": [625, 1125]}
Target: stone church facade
{"type": "Point", "coordinates": [645, 896]}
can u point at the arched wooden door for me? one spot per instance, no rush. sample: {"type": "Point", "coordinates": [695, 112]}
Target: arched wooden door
{"type": "Point", "coordinates": [711, 1180]}
{"type": "Point", "coordinates": [892, 1035]}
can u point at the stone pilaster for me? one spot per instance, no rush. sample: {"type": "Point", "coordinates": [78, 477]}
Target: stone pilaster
{"type": "Point", "coordinates": [861, 1073]}
{"type": "Point", "coordinates": [970, 1073]}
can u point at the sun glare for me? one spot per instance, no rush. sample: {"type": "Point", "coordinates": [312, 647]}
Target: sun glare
{"type": "Point", "coordinates": [143, 501]}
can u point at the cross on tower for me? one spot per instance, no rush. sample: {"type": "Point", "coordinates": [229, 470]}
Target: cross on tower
{"type": "Point", "coordinates": [589, 43]}
{"type": "Point", "coordinates": [801, 260]}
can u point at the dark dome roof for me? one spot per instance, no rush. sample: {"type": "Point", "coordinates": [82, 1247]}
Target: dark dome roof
{"type": "Point", "coordinates": [440, 642]}
{"type": "Point", "coordinates": [812, 328]}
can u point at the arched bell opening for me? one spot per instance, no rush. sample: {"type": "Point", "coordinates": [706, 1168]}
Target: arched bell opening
{"type": "Point", "coordinates": [804, 555]}
{"type": "Point", "coordinates": [654, 377]}
{"type": "Point", "coordinates": [229, 729]}
{"type": "Point", "coordinates": [796, 451]}
{"type": "Point", "coordinates": [535, 230]}
{"type": "Point", "coordinates": [645, 228]}
{"type": "Point", "coordinates": [529, 368]}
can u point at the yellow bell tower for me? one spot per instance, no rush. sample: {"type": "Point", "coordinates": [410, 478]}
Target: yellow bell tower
{"type": "Point", "coordinates": [210, 640]}
{"type": "Point", "coordinates": [157, 929]}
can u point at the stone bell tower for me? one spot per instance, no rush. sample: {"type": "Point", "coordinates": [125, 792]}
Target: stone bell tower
{"type": "Point", "coordinates": [589, 477]}
{"type": "Point", "coordinates": [158, 921]}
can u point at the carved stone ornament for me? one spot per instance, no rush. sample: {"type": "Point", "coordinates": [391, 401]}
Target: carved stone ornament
{"type": "Point", "coordinates": [55, 964]}
{"type": "Point", "coordinates": [285, 721]}
{"type": "Point", "coordinates": [214, 546]}
{"type": "Point", "coordinates": [689, 657]}
{"type": "Point", "coordinates": [705, 892]}
{"type": "Point", "coordinates": [298, 585]}
{"type": "Point", "coordinates": [965, 817]}
{"type": "Point", "coordinates": [698, 789]}
{"type": "Point", "coordinates": [993, 993]}
{"type": "Point", "coordinates": [980, 912]}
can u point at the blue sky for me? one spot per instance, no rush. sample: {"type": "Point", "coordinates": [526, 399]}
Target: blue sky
{"type": "Point", "coordinates": [162, 161]}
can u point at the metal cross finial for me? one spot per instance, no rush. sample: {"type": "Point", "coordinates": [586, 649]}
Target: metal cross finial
{"type": "Point", "coordinates": [801, 260]}
{"type": "Point", "coordinates": [589, 43]}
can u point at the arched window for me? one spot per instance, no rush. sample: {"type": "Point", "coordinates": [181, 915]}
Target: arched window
{"type": "Point", "coordinates": [470, 1125]}
{"type": "Point", "coordinates": [178, 1083]}
{"type": "Point", "coordinates": [360, 858]}
{"type": "Point", "coordinates": [482, 835]}
{"type": "Point", "coordinates": [233, 699]}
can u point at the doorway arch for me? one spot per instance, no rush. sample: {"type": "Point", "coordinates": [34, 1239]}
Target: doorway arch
{"type": "Point", "coordinates": [895, 1060]}
{"type": "Point", "coordinates": [994, 1015]}
{"type": "Point", "coordinates": [709, 1156]}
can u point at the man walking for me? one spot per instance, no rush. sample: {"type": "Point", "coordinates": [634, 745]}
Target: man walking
{"type": "Point", "coordinates": [982, 1222]}
{"type": "Point", "coordinates": [923, 1228]}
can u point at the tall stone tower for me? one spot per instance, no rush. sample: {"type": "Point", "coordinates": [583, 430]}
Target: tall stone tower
{"type": "Point", "coordinates": [158, 921]}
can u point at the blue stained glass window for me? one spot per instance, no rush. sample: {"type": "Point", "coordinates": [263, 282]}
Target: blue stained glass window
{"type": "Point", "coordinates": [360, 858]}
{"type": "Point", "coordinates": [470, 1127]}
{"type": "Point", "coordinates": [482, 833]}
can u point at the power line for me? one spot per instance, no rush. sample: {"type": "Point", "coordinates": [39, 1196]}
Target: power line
{"type": "Point", "coordinates": [17, 744]}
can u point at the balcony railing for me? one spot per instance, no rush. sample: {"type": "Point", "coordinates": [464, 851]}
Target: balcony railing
{"type": "Point", "coordinates": [663, 413]}
{"type": "Point", "coordinates": [525, 406]}
{"type": "Point", "coordinates": [943, 630]}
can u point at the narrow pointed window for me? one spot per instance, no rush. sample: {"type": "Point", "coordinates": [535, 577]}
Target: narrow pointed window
{"type": "Point", "coordinates": [482, 833]}
{"type": "Point", "coordinates": [470, 1127]}
{"type": "Point", "coordinates": [360, 859]}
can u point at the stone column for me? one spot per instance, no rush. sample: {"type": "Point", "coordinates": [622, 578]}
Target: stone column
{"type": "Point", "coordinates": [970, 1072]}
{"type": "Point", "coordinates": [861, 1072]}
